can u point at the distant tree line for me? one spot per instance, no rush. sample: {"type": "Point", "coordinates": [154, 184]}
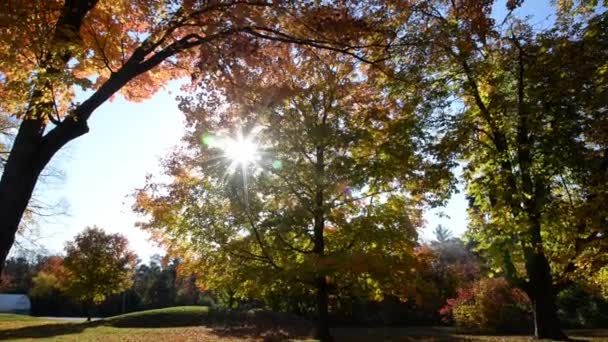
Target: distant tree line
{"type": "Point", "coordinates": [453, 286]}
{"type": "Point", "coordinates": [154, 285]}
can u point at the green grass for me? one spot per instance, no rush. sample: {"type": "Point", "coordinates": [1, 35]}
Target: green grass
{"type": "Point", "coordinates": [14, 317]}
{"type": "Point", "coordinates": [195, 323]}
{"type": "Point", "coordinates": [169, 317]}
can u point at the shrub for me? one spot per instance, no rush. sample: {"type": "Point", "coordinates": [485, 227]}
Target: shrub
{"type": "Point", "coordinates": [489, 304]}
{"type": "Point", "coordinates": [580, 307]}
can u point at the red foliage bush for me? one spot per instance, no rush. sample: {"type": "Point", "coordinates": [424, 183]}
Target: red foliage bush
{"type": "Point", "coordinates": [489, 304]}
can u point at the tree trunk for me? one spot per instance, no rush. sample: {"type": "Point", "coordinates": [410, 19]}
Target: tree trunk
{"type": "Point", "coordinates": [323, 334]}
{"type": "Point", "coordinates": [540, 287]}
{"type": "Point", "coordinates": [542, 295]}
{"type": "Point", "coordinates": [31, 150]}
{"type": "Point", "coordinates": [21, 172]}
{"type": "Point", "coordinates": [30, 154]}
{"type": "Point", "coordinates": [89, 305]}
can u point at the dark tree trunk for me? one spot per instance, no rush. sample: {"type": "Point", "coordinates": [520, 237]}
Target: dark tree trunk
{"type": "Point", "coordinates": [31, 150]}
{"type": "Point", "coordinates": [230, 299]}
{"type": "Point", "coordinates": [29, 155]}
{"type": "Point", "coordinates": [323, 334]}
{"type": "Point", "coordinates": [21, 172]}
{"type": "Point", "coordinates": [540, 288]}
{"type": "Point", "coordinates": [542, 295]}
{"type": "Point", "coordinates": [89, 309]}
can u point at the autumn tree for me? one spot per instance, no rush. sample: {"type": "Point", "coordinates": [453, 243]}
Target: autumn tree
{"type": "Point", "coordinates": [132, 48]}
{"type": "Point", "coordinates": [331, 200]}
{"type": "Point", "coordinates": [98, 265]}
{"type": "Point", "coordinates": [525, 116]}
{"type": "Point", "coordinates": [49, 280]}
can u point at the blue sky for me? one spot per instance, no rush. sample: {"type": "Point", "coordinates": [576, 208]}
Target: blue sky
{"type": "Point", "coordinates": [102, 168]}
{"type": "Point", "coordinates": [126, 142]}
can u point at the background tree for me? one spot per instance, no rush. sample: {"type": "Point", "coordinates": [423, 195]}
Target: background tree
{"type": "Point", "coordinates": [442, 269]}
{"type": "Point", "coordinates": [98, 265]}
{"type": "Point", "coordinates": [17, 276]}
{"type": "Point", "coordinates": [49, 278]}
{"type": "Point", "coordinates": [442, 234]}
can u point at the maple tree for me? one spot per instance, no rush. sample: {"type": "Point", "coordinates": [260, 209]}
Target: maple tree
{"type": "Point", "coordinates": [97, 264]}
{"type": "Point", "coordinates": [332, 203]}
{"type": "Point", "coordinates": [47, 48]}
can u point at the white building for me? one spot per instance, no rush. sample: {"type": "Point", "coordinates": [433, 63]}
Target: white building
{"type": "Point", "coordinates": [15, 303]}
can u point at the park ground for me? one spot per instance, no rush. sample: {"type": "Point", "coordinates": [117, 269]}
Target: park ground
{"type": "Point", "coordinates": [202, 324]}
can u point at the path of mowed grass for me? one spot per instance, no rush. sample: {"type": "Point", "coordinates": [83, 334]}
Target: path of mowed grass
{"type": "Point", "coordinates": [193, 323]}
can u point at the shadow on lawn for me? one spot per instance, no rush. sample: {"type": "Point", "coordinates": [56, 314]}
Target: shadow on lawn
{"type": "Point", "coordinates": [267, 325]}
{"type": "Point", "coordinates": [272, 326]}
{"type": "Point", "coordinates": [45, 330]}
{"type": "Point", "coordinates": [346, 334]}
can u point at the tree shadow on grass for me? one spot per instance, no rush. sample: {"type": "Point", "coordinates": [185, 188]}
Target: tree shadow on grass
{"type": "Point", "coordinates": [360, 334]}
{"type": "Point", "coordinates": [157, 321]}
{"type": "Point", "coordinates": [45, 330]}
{"type": "Point", "coordinates": [270, 326]}
{"type": "Point", "coordinates": [576, 335]}
{"type": "Point", "coordinates": [269, 334]}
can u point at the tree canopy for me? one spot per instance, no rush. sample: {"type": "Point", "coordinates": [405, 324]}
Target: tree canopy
{"type": "Point", "coordinates": [317, 134]}
{"type": "Point", "coordinates": [334, 193]}
{"type": "Point", "coordinates": [97, 265]}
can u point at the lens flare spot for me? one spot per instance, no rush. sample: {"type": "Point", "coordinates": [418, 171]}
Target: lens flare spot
{"type": "Point", "coordinates": [277, 165]}
{"type": "Point", "coordinates": [209, 140]}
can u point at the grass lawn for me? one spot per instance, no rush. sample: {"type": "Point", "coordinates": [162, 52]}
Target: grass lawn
{"type": "Point", "coordinates": [203, 324]}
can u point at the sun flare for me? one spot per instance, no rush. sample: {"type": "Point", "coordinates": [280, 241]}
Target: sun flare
{"type": "Point", "coordinates": [240, 150]}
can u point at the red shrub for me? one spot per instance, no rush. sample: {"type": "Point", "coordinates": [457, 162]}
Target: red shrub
{"type": "Point", "coordinates": [489, 303]}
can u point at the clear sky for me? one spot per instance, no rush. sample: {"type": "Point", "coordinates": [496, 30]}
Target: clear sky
{"type": "Point", "coordinates": [102, 168]}
{"type": "Point", "coordinates": [126, 141]}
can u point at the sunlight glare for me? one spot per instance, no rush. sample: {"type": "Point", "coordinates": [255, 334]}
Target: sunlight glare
{"type": "Point", "coordinates": [241, 151]}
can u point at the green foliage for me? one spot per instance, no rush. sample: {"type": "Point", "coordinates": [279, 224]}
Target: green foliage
{"type": "Point", "coordinates": [329, 204]}
{"type": "Point", "coordinates": [337, 190]}
{"type": "Point", "coordinates": [529, 137]}
{"type": "Point", "coordinates": [17, 275]}
{"type": "Point", "coordinates": [581, 308]}
{"type": "Point", "coordinates": [44, 285]}
{"type": "Point", "coordinates": [159, 284]}
{"type": "Point", "coordinates": [99, 264]}
{"type": "Point", "coordinates": [601, 281]}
